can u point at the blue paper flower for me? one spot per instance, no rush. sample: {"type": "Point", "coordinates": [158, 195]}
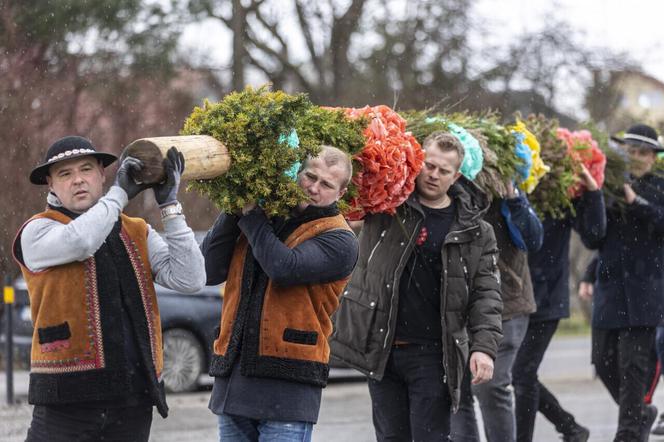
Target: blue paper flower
{"type": "Point", "coordinates": [523, 153]}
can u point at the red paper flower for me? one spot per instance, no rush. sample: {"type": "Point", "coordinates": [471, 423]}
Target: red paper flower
{"type": "Point", "coordinates": [584, 149]}
{"type": "Point", "coordinates": [422, 237]}
{"type": "Point", "coordinates": [391, 160]}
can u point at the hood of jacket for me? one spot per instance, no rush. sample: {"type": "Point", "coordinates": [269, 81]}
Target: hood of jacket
{"type": "Point", "coordinates": [471, 201]}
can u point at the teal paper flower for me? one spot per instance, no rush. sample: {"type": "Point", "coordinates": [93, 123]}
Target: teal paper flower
{"type": "Point", "coordinates": [473, 157]}
{"type": "Point", "coordinates": [293, 142]}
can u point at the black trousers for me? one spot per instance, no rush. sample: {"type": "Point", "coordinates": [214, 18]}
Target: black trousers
{"type": "Point", "coordinates": [530, 396]}
{"type": "Point", "coordinates": [70, 423]}
{"type": "Point", "coordinates": [412, 401]}
{"type": "Point", "coordinates": [624, 360]}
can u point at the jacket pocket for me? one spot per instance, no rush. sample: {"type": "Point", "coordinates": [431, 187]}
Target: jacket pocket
{"type": "Point", "coordinates": [300, 336]}
{"type": "Point", "coordinates": [354, 319]}
{"type": "Point", "coordinates": [54, 338]}
{"type": "Point", "coordinates": [511, 283]}
{"type": "Point", "coordinates": [462, 350]}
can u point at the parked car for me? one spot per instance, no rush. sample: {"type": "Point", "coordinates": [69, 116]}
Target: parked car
{"type": "Point", "coordinates": [188, 323]}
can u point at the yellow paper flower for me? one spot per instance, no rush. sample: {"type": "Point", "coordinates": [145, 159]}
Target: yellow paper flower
{"type": "Point", "coordinates": [538, 169]}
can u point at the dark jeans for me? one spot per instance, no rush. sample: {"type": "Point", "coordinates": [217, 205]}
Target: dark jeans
{"type": "Point", "coordinates": [529, 394]}
{"type": "Point", "coordinates": [624, 361]}
{"type": "Point", "coordinates": [70, 423]}
{"type": "Point", "coordinates": [412, 402]}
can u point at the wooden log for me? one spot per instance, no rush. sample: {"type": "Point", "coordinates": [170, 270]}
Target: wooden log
{"type": "Point", "coordinates": [205, 157]}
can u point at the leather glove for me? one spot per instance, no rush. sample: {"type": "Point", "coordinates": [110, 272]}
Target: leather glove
{"type": "Point", "coordinates": [129, 167]}
{"type": "Point", "coordinates": [166, 193]}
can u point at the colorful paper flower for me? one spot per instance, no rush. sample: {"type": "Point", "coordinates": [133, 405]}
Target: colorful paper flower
{"type": "Point", "coordinates": [582, 148]}
{"type": "Point", "coordinates": [473, 157]}
{"type": "Point", "coordinates": [538, 169]}
{"type": "Point", "coordinates": [391, 160]}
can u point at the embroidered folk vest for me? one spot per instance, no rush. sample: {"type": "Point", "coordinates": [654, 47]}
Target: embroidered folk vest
{"type": "Point", "coordinates": [283, 331]}
{"type": "Point", "coordinates": [78, 348]}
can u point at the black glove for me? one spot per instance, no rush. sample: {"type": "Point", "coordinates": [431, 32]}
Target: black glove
{"type": "Point", "coordinates": [129, 167]}
{"type": "Point", "coordinates": [167, 192]}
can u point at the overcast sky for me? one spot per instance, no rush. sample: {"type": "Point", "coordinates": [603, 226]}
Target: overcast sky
{"type": "Point", "coordinates": [634, 26]}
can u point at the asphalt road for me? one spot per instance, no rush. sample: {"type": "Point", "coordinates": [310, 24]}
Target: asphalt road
{"type": "Point", "coordinates": [346, 410]}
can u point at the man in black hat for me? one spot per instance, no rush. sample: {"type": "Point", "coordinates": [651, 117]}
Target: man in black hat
{"type": "Point", "coordinates": [628, 299]}
{"type": "Point", "coordinates": [96, 357]}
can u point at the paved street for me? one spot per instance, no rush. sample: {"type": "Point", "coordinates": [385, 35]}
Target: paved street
{"type": "Point", "coordinates": [346, 411]}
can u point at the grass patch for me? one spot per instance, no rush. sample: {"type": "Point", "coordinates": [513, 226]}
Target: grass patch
{"type": "Point", "coordinates": [575, 325]}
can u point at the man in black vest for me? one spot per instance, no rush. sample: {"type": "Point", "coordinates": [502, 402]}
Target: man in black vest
{"type": "Point", "coordinates": [97, 355]}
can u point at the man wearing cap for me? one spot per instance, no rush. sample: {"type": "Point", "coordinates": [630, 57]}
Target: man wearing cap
{"type": "Point", "coordinates": [628, 299]}
{"type": "Point", "coordinates": [96, 357]}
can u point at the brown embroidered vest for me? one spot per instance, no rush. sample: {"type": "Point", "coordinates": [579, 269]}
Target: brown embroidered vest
{"type": "Point", "coordinates": [78, 348]}
{"type": "Point", "coordinates": [283, 331]}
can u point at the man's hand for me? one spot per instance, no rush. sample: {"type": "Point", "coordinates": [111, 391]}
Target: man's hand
{"type": "Point", "coordinates": [248, 208]}
{"type": "Point", "coordinates": [587, 179]}
{"type": "Point", "coordinates": [481, 367]}
{"type": "Point", "coordinates": [166, 193]}
{"type": "Point", "coordinates": [630, 195]}
{"type": "Point", "coordinates": [586, 291]}
{"type": "Point", "coordinates": [510, 190]}
{"type": "Point", "coordinates": [129, 167]}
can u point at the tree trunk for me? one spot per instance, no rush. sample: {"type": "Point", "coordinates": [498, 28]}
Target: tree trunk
{"type": "Point", "coordinates": [205, 157]}
{"type": "Point", "coordinates": [239, 28]}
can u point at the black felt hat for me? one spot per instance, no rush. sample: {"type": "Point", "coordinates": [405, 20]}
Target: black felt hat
{"type": "Point", "coordinates": [65, 149]}
{"type": "Point", "coordinates": [640, 135]}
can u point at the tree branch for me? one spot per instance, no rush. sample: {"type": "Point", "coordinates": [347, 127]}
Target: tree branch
{"type": "Point", "coordinates": [308, 38]}
{"type": "Point", "coordinates": [272, 28]}
{"type": "Point", "coordinates": [283, 60]}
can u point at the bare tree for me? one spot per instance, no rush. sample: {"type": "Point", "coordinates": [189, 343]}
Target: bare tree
{"type": "Point", "coordinates": [263, 32]}
{"type": "Point", "coordinates": [47, 92]}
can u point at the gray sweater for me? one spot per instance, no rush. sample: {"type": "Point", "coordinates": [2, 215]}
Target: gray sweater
{"type": "Point", "coordinates": [175, 259]}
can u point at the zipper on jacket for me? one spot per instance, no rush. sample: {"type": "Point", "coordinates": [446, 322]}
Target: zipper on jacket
{"type": "Point", "coordinates": [395, 283]}
{"type": "Point", "coordinates": [466, 276]}
{"type": "Point", "coordinates": [380, 240]}
{"type": "Point", "coordinates": [443, 306]}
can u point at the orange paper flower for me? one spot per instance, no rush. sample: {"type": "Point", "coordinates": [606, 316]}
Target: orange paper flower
{"type": "Point", "coordinates": [391, 160]}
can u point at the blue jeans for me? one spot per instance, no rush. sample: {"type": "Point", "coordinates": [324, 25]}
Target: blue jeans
{"type": "Point", "coordinates": [495, 396]}
{"type": "Point", "coordinates": [243, 429]}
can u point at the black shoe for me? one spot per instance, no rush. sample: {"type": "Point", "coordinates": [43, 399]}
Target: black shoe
{"type": "Point", "coordinates": [658, 429]}
{"type": "Point", "coordinates": [649, 416]}
{"type": "Point", "coordinates": [578, 434]}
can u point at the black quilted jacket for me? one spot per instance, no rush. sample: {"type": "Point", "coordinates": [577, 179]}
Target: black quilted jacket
{"type": "Point", "coordinates": [471, 304]}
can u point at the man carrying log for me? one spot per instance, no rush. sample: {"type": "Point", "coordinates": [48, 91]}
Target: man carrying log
{"type": "Point", "coordinates": [283, 281]}
{"type": "Point", "coordinates": [96, 356]}
{"type": "Point", "coordinates": [424, 297]}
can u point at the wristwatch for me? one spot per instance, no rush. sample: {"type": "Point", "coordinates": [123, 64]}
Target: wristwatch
{"type": "Point", "coordinates": [171, 210]}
